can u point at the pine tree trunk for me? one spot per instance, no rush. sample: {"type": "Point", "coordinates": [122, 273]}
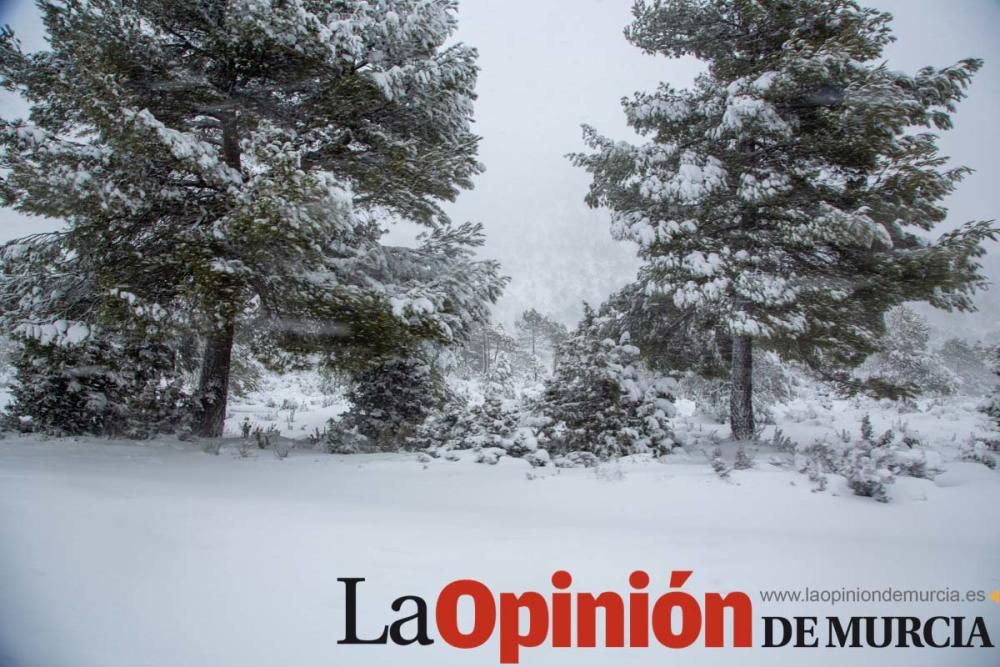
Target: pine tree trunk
{"type": "Point", "coordinates": [741, 397]}
{"type": "Point", "coordinates": [534, 364]}
{"type": "Point", "coordinates": [486, 353]}
{"type": "Point", "coordinates": [214, 384]}
{"type": "Point", "coordinates": [213, 389]}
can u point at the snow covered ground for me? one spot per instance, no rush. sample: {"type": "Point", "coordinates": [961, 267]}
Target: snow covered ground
{"type": "Point", "coordinates": [116, 554]}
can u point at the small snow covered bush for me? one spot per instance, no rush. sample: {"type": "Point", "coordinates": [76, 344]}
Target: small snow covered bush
{"type": "Point", "coordinates": [599, 401]}
{"type": "Point", "coordinates": [991, 405]}
{"type": "Point", "coordinates": [981, 450]}
{"type": "Point", "coordinates": [98, 387]}
{"type": "Point", "coordinates": [744, 459]}
{"type": "Point", "coordinates": [868, 469]}
{"type": "Point", "coordinates": [869, 464]}
{"type": "Point", "coordinates": [495, 426]}
{"type": "Point", "coordinates": [500, 378]}
{"type": "Point", "coordinates": [985, 448]}
{"type": "Point", "coordinates": [719, 464]}
{"type": "Point", "coordinates": [389, 400]}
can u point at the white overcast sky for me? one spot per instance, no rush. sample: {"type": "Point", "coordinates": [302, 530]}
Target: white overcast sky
{"type": "Point", "coordinates": [549, 65]}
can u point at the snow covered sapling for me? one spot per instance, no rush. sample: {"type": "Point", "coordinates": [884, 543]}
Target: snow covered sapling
{"type": "Point", "coordinates": [868, 470]}
{"type": "Point", "coordinates": [235, 160]}
{"type": "Point", "coordinates": [744, 459]}
{"type": "Point", "coordinates": [905, 360]}
{"type": "Point", "coordinates": [124, 388]}
{"type": "Point", "coordinates": [872, 463]}
{"type": "Point", "coordinates": [991, 406]}
{"type": "Point", "coordinates": [986, 448]}
{"type": "Point", "coordinates": [719, 464]}
{"type": "Point", "coordinates": [390, 399]}
{"type": "Point", "coordinates": [497, 425]}
{"type": "Point", "coordinates": [780, 191]}
{"type": "Point", "coordinates": [598, 401]}
{"type": "Point", "coordinates": [500, 379]}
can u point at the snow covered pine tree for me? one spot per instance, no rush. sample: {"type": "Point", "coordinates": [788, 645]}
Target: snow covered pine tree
{"type": "Point", "coordinates": [779, 189]}
{"type": "Point", "coordinates": [221, 159]}
{"type": "Point", "coordinates": [991, 406]}
{"type": "Point", "coordinates": [599, 403]}
{"type": "Point", "coordinates": [905, 359]}
{"type": "Point", "coordinates": [536, 331]}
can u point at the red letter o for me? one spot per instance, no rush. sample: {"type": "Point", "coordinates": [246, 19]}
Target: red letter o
{"type": "Point", "coordinates": [484, 614]}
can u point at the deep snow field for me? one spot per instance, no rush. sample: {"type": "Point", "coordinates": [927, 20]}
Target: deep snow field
{"type": "Point", "coordinates": [127, 554]}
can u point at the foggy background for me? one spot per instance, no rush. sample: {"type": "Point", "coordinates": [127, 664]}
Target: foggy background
{"type": "Point", "coordinates": [549, 65]}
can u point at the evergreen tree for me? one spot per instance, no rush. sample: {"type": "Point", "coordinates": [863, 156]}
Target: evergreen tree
{"type": "Point", "coordinates": [599, 402]}
{"type": "Point", "coordinates": [904, 358]}
{"type": "Point", "coordinates": [390, 399]}
{"type": "Point", "coordinates": [486, 342]}
{"type": "Point", "coordinates": [991, 406]}
{"type": "Point", "coordinates": [537, 332]}
{"type": "Point", "coordinates": [222, 160]}
{"type": "Point", "coordinates": [116, 387]}
{"type": "Point", "coordinates": [125, 382]}
{"type": "Point", "coordinates": [781, 191]}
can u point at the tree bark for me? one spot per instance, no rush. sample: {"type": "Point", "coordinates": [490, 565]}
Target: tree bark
{"type": "Point", "coordinates": [741, 419]}
{"type": "Point", "coordinates": [534, 360]}
{"type": "Point", "coordinates": [486, 352]}
{"type": "Point", "coordinates": [213, 387]}
{"type": "Point", "coordinates": [231, 141]}
{"type": "Point", "coordinates": [214, 384]}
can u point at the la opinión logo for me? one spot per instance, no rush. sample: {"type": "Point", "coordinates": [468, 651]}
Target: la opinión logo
{"type": "Point", "coordinates": [674, 619]}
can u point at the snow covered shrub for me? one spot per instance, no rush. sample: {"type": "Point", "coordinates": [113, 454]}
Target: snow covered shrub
{"type": "Point", "coordinates": [500, 377]}
{"type": "Point", "coordinates": [336, 438]}
{"type": "Point", "coordinates": [982, 450]}
{"type": "Point", "coordinates": [280, 448]}
{"type": "Point", "coordinates": [598, 401]}
{"type": "Point", "coordinates": [868, 470]}
{"type": "Point", "coordinates": [815, 474]}
{"type": "Point", "coordinates": [985, 449]}
{"type": "Point", "coordinates": [744, 459]}
{"type": "Point", "coordinates": [719, 464]}
{"type": "Point", "coordinates": [817, 457]}
{"type": "Point", "coordinates": [991, 406]}
{"type": "Point", "coordinates": [904, 359]}
{"type": "Point", "coordinates": [869, 464]}
{"type": "Point", "coordinates": [98, 387]}
{"type": "Point", "coordinates": [443, 429]}
{"type": "Point", "coordinates": [577, 459]}
{"type": "Point", "coordinates": [389, 400]}
{"type": "Point", "coordinates": [782, 443]}
{"type": "Point", "coordinates": [496, 425]}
